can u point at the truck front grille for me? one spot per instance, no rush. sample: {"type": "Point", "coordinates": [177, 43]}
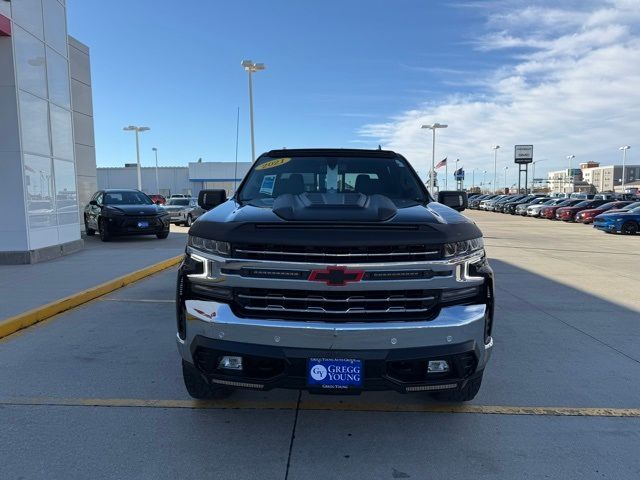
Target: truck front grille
{"type": "Point", "coordinates": [342, 255]}
{"type": "Point", "coordinates": [335, 306]}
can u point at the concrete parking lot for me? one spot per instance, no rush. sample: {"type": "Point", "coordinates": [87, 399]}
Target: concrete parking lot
{"type": "Point", "coordinates": [97, 392]}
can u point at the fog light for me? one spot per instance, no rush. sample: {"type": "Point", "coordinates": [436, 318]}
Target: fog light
{"type": "Point", "coordinates": [437, 366]}
{"type": "Point", "coordinates": [230, 363]}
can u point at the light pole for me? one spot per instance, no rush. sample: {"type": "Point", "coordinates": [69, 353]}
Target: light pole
{"type": "Point", "coordinates": [157, 183]}
{"type": "Point", "coordinates": [132, 128]}
{"type": "Point", "coordinates": [624, 149]}
{"type": "Point", "coordinates": [473, 178]}
{"type": "Point", "coordinates": [433, 127]}
{"type": "Point", "coordinates": [533, 174]}
{"type": "Point", "coordinates": [570, 158]}
{"type": "Point", "coordinates": [454, 173]}
{"type": "Point", "coordinates": [250, 67]}
{"type": "Point", "coordinates": [495, 165]}
{"type": "Point", "coordinates": [505, 178]}
{"type": "Point", "coordinates": [484, 178]}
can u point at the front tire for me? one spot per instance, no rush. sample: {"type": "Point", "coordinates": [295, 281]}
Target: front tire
{"type": "Point", "coordinates": [465, 394]}
{"type": "Point", "coordinates": [198, 388]}
{"type": "Point", "coordinates": [629, 228]}
{"type": "Point", "coordinates": [89, 231]}
{"type": "Point", "coordinates": [162, 236]}
{"type": "Point", "coordinates": [189, 221]}
{"type": "Point", "coordinates": [105, 236]}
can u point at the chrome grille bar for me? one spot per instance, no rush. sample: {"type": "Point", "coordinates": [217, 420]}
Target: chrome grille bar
{"type": "Point", "coordinates": [313, 298]}
{"type": "Point", "coordinates": [280, 308]}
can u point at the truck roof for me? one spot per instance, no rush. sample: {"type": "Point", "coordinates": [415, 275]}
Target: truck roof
{"type": "Point", "coordinates": [331, 152]}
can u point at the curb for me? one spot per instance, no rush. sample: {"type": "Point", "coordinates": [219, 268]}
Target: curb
{"type": "Point", "coordinates": [31, 317]}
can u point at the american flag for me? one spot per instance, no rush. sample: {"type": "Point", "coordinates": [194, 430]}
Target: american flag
{"type": "Point", "coordinates": [442, 163]}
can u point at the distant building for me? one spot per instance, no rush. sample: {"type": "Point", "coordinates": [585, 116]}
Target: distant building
{"type": "Point", "coordinates": [172, 180]}
{"type": "Point", "coordinates": [565, 181]}
{"type": "Point", "coordinates": [606, 179]}
{"type": "Point", "coordinates": [589, 164]}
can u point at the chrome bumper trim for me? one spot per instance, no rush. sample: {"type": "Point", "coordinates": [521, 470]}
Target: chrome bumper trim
{"type": "Point", "coordinates": [457, 324]}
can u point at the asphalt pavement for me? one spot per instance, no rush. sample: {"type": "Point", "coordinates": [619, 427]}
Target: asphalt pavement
{"type": "Point", "coordinates": [23, 287]}
{"type": "Point", "coordinates": [97, 392]}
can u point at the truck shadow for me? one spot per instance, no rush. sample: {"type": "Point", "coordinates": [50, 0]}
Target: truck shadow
{"type": "Point", "coordinates": [555, 345]}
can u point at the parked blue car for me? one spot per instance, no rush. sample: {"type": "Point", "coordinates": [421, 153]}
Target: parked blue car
{"type": "Point", "coordinates": [627, 222]}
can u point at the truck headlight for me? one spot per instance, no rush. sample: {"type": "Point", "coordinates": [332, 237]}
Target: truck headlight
{"type": "Point", "coordinates": [465, 247]}
{"type": "Point", "coordinates": [211, 246]}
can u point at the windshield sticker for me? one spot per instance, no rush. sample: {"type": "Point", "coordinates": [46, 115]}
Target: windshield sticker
{"type": "Point", "coordinates": [273, 163]}
{"type": "Point", "coordinates": [268, 183]}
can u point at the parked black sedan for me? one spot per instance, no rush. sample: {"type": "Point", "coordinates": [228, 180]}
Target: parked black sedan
{"type": "Point", "coordinates": [124, 212]}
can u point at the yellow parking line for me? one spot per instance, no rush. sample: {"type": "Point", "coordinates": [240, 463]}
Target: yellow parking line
{"type": "Point", "coordinates": [230, 404]}
{"type": "Point", "coordinates": [38, 314]}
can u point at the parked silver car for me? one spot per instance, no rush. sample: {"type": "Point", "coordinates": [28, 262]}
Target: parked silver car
{"type": "Point", "coordinates": [183, 210]}
{"type": "Point", "coordinates": [534, 210]}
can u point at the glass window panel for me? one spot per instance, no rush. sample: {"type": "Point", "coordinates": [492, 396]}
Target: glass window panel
{"type": "Point", "coordinates": [61, 132]}
{"type": "Point", "coordinates": [58, 76]}
{"type": "Point", "coordinates": [30, 63]}
{"type": "Point", "coordinates": [39, 185]}
{"type": "Point", "coordinates": [5, 9]}
{"type": "Point", "coordinates": [66, 195]}
{"type": "Point", "coordinates": [34, 124]}
{"type": "Point", "coordinates": [55, 29]}
{"type": "Point", "coordinates": [28, 14]}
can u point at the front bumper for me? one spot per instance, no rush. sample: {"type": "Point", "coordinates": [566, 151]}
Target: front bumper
{"type": "Point", "coordinates": [283, 347]}
{"type": "Point", "coordinates": [126, 225]}
{"type": "Point", "coordinates": [607, 227]}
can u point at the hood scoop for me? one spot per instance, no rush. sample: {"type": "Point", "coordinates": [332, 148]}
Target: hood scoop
{"type": "Point", "coordinates": [338, 207]}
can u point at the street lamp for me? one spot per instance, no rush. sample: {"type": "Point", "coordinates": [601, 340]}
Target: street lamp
{"type": "Point", "coordinates": [157, 183]}
{"type": "Point", "coordinates": [495, 165]}
{"type": "Point", "coordinates": [250, 67]}
{"type": "Point", "coordinates": [132, 128]}
{"type": "Point", "coordinates": [505, 178]}
{"type": "Point", "coordinates": [533, 174]}
{"type": "Point", "coordinates": [570, 158]}
{"type": "Point", "coordinates": [433, 127]}
{"type": "Point", "coordinates": [624, 149]}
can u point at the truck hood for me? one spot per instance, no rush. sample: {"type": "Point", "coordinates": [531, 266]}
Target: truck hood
{"type": "Point", "coordinates": [375, 224]}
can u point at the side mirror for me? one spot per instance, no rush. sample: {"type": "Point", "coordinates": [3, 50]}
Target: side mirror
{"type": "Point", "coordinates": [208, 199]}
{"type": "Point", "coordinates": [94, 203]}
{"type": "Point", "coordinates": [158, 202]}
{"type": "Point", "coordinates": [454, 199]}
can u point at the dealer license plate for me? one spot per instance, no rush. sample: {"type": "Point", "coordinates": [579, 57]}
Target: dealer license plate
{"type": "Point", "coordinates": [335, 373]}
{"type": "Point", "coordinates": [143, 224]}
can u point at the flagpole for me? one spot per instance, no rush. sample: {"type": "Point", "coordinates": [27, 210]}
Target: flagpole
{"type": "Point", "coordinates": [446, 173]}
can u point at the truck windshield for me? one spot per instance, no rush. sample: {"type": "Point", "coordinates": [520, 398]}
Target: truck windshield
{"type": "Point", "coordinates": [272, 177]}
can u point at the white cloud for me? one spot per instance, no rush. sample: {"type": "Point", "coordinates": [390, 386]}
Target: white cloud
{"type": "Point", "coordinates": [572, 86]}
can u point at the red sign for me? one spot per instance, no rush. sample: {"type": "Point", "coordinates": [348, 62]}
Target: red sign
{"type": "Point", "coordinates": [336, 276]}
{"type": "Point", "coordinates": [5, 26]}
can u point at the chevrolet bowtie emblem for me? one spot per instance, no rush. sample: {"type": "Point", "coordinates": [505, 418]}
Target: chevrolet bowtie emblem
{"type": "Point", "coordinates": [336, 276]}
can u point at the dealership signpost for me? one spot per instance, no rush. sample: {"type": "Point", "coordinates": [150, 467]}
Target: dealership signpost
{"type": "Point", "coordinates": [523, 156]}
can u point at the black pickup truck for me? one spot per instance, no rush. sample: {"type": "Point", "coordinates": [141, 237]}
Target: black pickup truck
{"type": "Point", "coordinates": [334, 271]}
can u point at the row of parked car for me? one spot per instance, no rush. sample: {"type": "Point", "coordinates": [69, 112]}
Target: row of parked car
{"type": "Point", "coordinates": [115, 212]}
{"type": "Point", "coordinates": [606, 214]}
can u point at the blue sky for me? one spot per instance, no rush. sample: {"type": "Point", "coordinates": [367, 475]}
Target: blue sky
{"type": "Point", "coordinates": [351, 74]}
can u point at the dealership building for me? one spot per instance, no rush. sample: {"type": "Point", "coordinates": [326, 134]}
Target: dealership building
{"type": "Point", "coordinates": [176, 180]}
{"type": "Point", "coordinates": [47, 148]}
{"type": "Point", "coordinates": [591, 177]}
